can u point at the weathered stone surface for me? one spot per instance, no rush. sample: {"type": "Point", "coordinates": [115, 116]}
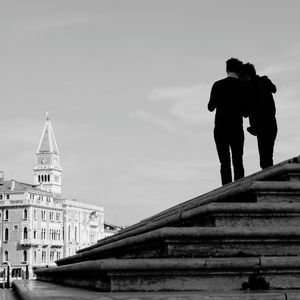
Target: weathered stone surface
{"type": "Point", "coordinates": [243, 215]}
{"type": "Point", "coordinates": [201, 242]}
{"type": "Point", "coordinates": [8, 294]}
{"type": "Point", "coordinates": [32, 290]}
{"type": "Point", "coordinates": [209, 274]}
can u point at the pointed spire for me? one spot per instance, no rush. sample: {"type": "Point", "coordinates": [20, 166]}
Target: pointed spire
{"type": "Point", "coordinates": [48, 143]}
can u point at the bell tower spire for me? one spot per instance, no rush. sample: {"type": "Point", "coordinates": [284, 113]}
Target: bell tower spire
{"type": "Point", "coordinates": [47, 170]}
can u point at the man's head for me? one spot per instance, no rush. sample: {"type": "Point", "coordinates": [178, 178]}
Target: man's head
{"type": "Point", "coordinates": [234, 65]}
{"type": "Point", "coordinates": [248, 72]}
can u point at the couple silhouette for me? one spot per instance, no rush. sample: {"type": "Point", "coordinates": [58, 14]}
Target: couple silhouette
{"type": "Point", "coordinates": [242, 94]}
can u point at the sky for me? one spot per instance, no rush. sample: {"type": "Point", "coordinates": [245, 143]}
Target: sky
{"type": "Point", "coordinates": [127, 85]}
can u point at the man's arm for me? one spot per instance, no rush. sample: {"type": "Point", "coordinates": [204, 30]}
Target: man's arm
{"type": "Point", "coordinates": [212, 104]}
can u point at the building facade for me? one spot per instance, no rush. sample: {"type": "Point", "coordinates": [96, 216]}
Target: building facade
{"type": "Point", "coordinates": [83, 225]}
{"type": "Point", "coordinates": [37, 225]}
{"type": "Point", "coordinates": [31, 226]}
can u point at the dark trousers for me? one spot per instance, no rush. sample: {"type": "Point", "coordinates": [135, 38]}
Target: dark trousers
{"type": "Point", "coordinates": [265, 143]}
{"type": "Point", "coordinates": [230, 140]}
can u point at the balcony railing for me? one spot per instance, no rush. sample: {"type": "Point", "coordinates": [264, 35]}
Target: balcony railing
{"type": "Point", "coordinates": [57, 244]}
{"type": "Point", "coordinates": [30, 242]}
{"type": "Point", "coordinates": [43, 242]}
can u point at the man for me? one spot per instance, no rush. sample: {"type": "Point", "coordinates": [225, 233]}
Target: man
{"type": "Point", "coordinates": [262, 112]}
{"type": "Point", "coordinates": [227, 99]}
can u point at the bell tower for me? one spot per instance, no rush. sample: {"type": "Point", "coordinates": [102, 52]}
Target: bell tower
{"type": "Point", "coordinates": [47, 170]}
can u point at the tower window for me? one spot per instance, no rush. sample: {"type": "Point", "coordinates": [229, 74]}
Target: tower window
{"type": "Point", "coordinates": [48, 178]}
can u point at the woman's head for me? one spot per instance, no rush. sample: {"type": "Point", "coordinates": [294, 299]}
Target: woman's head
{"type": "Point", "coordinates": [248, 72]}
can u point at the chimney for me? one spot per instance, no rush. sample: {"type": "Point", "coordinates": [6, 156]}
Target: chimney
{"type": "Point", "coordinates": [12, 184]}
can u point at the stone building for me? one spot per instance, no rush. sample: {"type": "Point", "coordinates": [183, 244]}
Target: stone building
{"type": "Point", "coordinates": [38, 225]}
{"type": "Point", "coordinates": [31, 226]}
{"type": "Point", "coordinates": [83, 225]}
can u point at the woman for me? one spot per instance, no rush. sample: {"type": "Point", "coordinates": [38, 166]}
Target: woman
{"type": "Point", "coordinates": [261, 111]}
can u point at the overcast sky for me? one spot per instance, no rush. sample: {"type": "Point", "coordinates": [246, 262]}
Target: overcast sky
{"type": "Point", "coordinates": [127, 84]}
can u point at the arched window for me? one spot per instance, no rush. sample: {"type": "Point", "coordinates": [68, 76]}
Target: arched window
{"type": "Point", "coordinates": [25, 256]}
{"type": "Point", "coordinates": [6, 234]}
{"type": "Point", "coordinates": [48, 178]}
{"type": "Point", "coordinates": [25, 214]}
{"type": "Point", "coordinates": [25, 233]}
{"type": "Point", "coordinates": [6, 255]}
{"type": "Point", "coordinates": [39, 178]}
{"type": "Point", "coordinates": [34, 256]}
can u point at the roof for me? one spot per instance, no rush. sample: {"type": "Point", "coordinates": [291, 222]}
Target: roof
{"type": "Point", "coordinates": [47, 143]}
{"type": "Point", "coordinates": [17, 186]}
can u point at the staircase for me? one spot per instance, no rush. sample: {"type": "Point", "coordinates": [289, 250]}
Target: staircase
{"type": "Point", "coordinates": [244, 236]}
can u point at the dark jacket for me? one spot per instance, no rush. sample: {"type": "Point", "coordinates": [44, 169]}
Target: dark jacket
{"type": "Point", "coordinates": [228, 100]}
{"type": "Point", "coordinates": [261, 105]}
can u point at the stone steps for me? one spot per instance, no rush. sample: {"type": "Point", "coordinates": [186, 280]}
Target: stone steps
{"type": "Point", "coordinates": [29, 289]}
{"type": "Point", "coordinates": [243, 215]}
{"type": "Point", "coordinates": [244, 235]}
{"type": "Point", "coordinates": [198, 242]}
{"type": "Point", "coordinates": [178, 274]}
{"type": "Point", "coordinates": [251, 189]}
{"type": "Point", "coordinates": [232, 218]}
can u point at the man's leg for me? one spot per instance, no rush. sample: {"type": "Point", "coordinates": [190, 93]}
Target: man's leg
{"type": "Point", "coordinates": [237, 149]}
{"type": "Point", "coordinates": [222, 146]}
